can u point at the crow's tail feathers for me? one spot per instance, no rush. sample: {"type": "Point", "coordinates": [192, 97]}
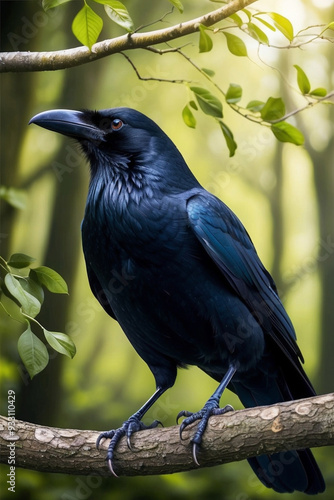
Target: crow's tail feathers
{"type": "Point", "coordinates": [290, 470]}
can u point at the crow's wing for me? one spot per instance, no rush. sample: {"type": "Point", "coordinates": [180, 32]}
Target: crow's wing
{"type": "Point", "coordinates": [98, 290]}
{"type": "Point", "coordinates": [228, 244]}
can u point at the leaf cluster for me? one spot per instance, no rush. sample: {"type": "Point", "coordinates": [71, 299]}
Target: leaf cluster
{"type": "Point", "coordinates": [272, 112]}
{"type": "Point", "coordinates": [252, 25]}
{"type": "Point", "coordinates": [211, 106]}
{"type": "Point", "coordinates": [24, 287]}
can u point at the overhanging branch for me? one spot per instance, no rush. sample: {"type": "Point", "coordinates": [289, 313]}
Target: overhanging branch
{"type": "Point", "coordinates": [228, 438]}
{"type": "Point", "coordinates": [61, 59]}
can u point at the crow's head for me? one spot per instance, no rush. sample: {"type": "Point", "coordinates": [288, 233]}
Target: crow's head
{"type": "Point", "coordinates": [113, 131]}
{"type": "Point", "coordinates": [120, 139]}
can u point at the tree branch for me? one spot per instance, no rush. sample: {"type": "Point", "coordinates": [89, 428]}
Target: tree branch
{"type": "Point", "coordinates": [230, 437]}
{"type": "Point", "coordinates": [50, 61]}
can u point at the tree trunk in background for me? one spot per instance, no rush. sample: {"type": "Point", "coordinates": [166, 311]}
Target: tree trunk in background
{"type": "Point", "coordinates": [323, 168]}
{"type": "Point", "coordinates": [15, 110]}
{"type": "Point", "coordinates": [324, 181]}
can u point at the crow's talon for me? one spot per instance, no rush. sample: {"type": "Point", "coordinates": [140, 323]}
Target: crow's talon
{"type": "Point", "coordinates": [181, 430]}
{"type": "Point", "coordinates": [104, 435]}
{"type": "Point", "coordinates": [195, 448]}
{"type": "Point", "coordinates": [183, 413]}
{"type": "Point", "coordinates": [133, 424]}
{"type": "Point", "coordinates": [128, 442]}
{"type": "Point", "coordinates": [203, 415]}
{"type": "Point", "coordinates": [110, 465]}
{"type": "Point", "coordinates": [154, 424]}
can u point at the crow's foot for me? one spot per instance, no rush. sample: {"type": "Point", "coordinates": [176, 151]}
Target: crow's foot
{"type": "Point", "coordinates": [210, 408]}
{"type": "Point", "coordinates": [133, 424]}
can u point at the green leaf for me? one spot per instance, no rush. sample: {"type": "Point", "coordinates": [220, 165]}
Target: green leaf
{"type": "Point", "coordinates": [208, 103]}
{"type": "Point", "coordinates": [256, 33]}
{"type": "Point", "coordinates": [29, 304]}
{"type": "Point", "coordinates": [87, 26]}
{"type": "Point", "coordinates": [50, 4]}
{"type": "Point", "coordinates": [20, 260]}
{"type": "Point", "coordinates": [248, 13]}
{"type": "Point", "coordinates": [177, 4]}
{"type": "Point", "coordinates": [329, 26]}
{"type": "Point", "coordinates": [255, 105]}
{"type": "Point", "coordinates": [302, 80]}
{"type": "Point", "coordinates": [193, 105]}
{"type": "Point", "coordinates": [318, 92]}
{"type": "Point", "coordinates": [237, 19]}
{"type": "Point", "coordinates": [188, 117]}
{"type": "Point", "coordinates": [33, 352]}
{"type": "Point", "coordinates": [34, 288]}
{"type": "Point", "coordinates": [17, 198]}
{"type": "Point", "coordinates": [5, 291]}
{"type": "Point", "coordinates": [50, 279]}
{"type": "Point", "coordinates": [117, 13]}
{"type": "Point", "coordinates": [60, 342]}
{"type": "Point", "coordinates": [233, 94]}
{"type": "Point", "coordinates": [230, 142]}
{"type": "Point", "coordinates": [273, 109]}
{"type": "Point", "coordinates": [208, 72]}
{"type": "Point", "coordinates": [205, 42]}
{"type": "Point", "coordinates": [285, 132]}
{"type": "Point", "coordinates": [235, 45]}
{"type": "Point", "coordinates": [282, 24]}
{"type": "Point", "coordinates": [266, 24]}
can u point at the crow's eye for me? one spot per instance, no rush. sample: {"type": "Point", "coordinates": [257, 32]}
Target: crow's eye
{"type": "Point", "coordinates": [116, 124]}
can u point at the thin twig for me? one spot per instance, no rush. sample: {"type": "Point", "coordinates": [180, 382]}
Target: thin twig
{"type": "Point", "coordinates": [160, 20]}
{"type": "Point", "coordinates": [150, 78]}
{"type": "Point", "coordinates": [166, 51]}
{"type": "Point", "coordinates": [310, 104]}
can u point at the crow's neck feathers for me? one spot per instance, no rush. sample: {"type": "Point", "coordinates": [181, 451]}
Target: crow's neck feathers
{"type": "Point", "coordinates": [117, 179]}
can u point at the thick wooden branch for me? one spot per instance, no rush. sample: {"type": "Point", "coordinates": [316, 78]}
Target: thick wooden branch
{"type": "Point", "coordinates": [46, 61]}
{"type": "Point", "coordinates": [228, 438]}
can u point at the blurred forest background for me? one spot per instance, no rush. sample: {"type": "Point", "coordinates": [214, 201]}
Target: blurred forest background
{"type": "Point", "coordinates": [283, 194]}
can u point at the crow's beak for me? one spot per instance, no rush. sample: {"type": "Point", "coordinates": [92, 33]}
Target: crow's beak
{"type": "Point", "coordinates": [68, 122]}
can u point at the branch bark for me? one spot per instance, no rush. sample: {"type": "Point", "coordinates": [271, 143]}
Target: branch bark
{"type": "Point", "coordinates": [61, 59]}
{"type": "Point", "coordinates": [230, 437]}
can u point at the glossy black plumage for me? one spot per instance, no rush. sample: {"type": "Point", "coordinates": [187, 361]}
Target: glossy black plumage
{"type": "Point", "coordinates": [177, 269]}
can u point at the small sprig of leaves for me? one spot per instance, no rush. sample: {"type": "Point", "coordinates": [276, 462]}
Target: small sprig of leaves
{"type": "Point", "coordinates": [87, 24]}
{"type": "Point", "coordinates": [305, 86]}
{"type": "Point", "coordinates": [251, 24]}
{"type": "Point", "coordinates": [254, 24]}
{"type": "Point", "coordinates": [24, 286]}
{"type": "Point", "coordinates": [270, 113]}
{"type": "Point", "coordinates": [212, 106]}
